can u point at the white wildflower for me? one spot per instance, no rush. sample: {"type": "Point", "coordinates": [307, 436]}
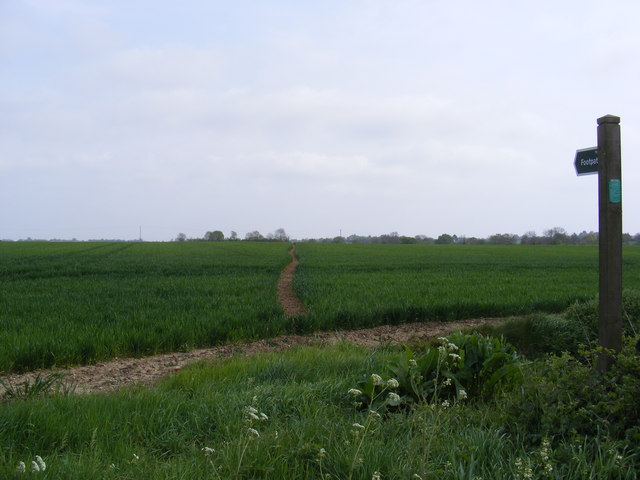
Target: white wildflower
{"type": "Point", "coordinates": [462, 394]}
{"type": "Point", "coordinates": [447, 382]}
{"type": "Point", "coordinates": [208, 450]}
{"type": "Point", "coordinates": [393, 383]}
{"type": "Point", "coordinates": [354, 391]}
{"type": "Point", "coordinates": [263, 417]}
{"type": "Point", "coordinates": [322, 453]}
{"type": "Point", "coordinates": [21, 467]}
{"type": "Point", "coordinates": [41, 464]}
{"type": "Point", "coordinates": [416, 476]}
{"type": "Point", "coordinates": [452, 346]}
{"type": "Point", "coordinates": [34, 466]}
{"type": "Point", "coordinates": [253, 416]}
{"type": "Point", "coordinates": [455, 356]}
{"type": "Point", "coordinates": [376, 476]}
{"type": "Point", "coordinates": [253, 432]}
{"type": "Point", "coordinates": [394, 399]}
{"type": "Point", "coordinates": [376, 379]}
{"type": "Point", "coordinates": [446, 404]}
{"type": "Point", "coordinates": [413, 363]}
{"type": "Point", "coordinates": [357, 426]}
{"type": "Point", "coordinates": [374, 414]}
{"type": "Point", "coordinates": [251, 410]}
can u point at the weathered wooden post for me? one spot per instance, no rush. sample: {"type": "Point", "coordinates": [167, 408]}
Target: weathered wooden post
{"type": "Point", "coordinates": [610, 241]}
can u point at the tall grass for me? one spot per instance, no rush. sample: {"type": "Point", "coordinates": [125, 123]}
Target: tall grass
{"type": "Point", "coordinates": [287, 415]}
{"type": "Point", "coordinates": [76, 303]}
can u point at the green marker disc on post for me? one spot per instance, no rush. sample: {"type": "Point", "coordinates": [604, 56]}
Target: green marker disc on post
{"type": "Point", "coordinates": [615, 191]}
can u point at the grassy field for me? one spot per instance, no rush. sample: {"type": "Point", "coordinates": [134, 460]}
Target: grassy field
{"type": "Point", "coordinates": [356, 285]}
{"type": "Point", "coordinates": [69, 303]}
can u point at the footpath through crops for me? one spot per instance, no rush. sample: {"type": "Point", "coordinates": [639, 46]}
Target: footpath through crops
{"type": "Point", "coordinates": [79, 303]}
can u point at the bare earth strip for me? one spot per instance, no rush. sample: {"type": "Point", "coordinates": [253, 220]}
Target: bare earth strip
{"type": "Point", "coordinates": [108, 376]}
{"type": "Point", "coordinates": [290, 302]}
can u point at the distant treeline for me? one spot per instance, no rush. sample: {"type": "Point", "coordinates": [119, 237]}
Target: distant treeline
{"type": "Point", "coordinates": [554, 236]}
{"type": "Point", "coordinates": [218, 236]}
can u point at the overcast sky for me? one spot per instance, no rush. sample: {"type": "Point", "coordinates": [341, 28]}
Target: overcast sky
{"type": "Point", "coordinates": [319, 117]}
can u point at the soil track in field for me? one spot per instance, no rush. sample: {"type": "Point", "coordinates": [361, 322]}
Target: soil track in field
{"type": "Point", "coordinates": [288, 299]}
{"type": "Point", "coordinates": [110, 375]}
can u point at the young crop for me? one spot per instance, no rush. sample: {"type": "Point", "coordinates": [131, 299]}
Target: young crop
{"type": "Point", "coordinates": [79, 303]}
{"type": "Point", "coordinates": [353, 286]}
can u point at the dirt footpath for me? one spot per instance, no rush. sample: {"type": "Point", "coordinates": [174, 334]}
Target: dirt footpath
{"type": "Point", "coordinates": [108, 376]}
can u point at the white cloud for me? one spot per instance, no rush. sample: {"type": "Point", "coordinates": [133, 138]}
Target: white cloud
{"type": "Point", "coordinates": [172, 66]}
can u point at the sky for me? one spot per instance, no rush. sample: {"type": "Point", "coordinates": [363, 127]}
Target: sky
{"type": "Point", "coordinates": [128, 118]}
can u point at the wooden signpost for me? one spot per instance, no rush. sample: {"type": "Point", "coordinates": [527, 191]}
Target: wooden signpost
{"type": "Point", "coordinates": [607, 158]}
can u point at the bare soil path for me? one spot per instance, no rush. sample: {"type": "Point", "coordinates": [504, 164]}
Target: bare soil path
{"type": "Point", "coordinates": [290, 302]}
{"type": "Point", "coordinates": [108, 376]}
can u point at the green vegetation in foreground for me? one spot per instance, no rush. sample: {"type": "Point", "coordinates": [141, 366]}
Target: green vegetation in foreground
{"type": "Point", "coordinates": [72, 303]}
{"type": "Point", "coordinates": [292, 415]}
{"type": "Point", "coordinates": [351, 286]}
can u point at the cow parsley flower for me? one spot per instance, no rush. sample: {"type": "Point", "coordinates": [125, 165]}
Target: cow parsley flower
{"type": "Point", "coordinates": [208, 450]}
{"type": "Point", "coordinates": [393, 383]}
{"type": "Point", "coordinates": [252, 416]}
{"type": "Point", "coordinates": [377, 379]}
{"type": "Point", "coordinates": [21, 468]}
{"type": "Point", "coordinates": [41, 464]}
{"type": "Point", "coordinates": [253, 432]}
{"type": "Point", "coordinates": [34, 466]}
{"type": "Point", "coordinates": [354, 391]}
{"type": "Point", "coordinates": [376, 476]}
{"type": "Point", "coordinates": [394, 399]}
